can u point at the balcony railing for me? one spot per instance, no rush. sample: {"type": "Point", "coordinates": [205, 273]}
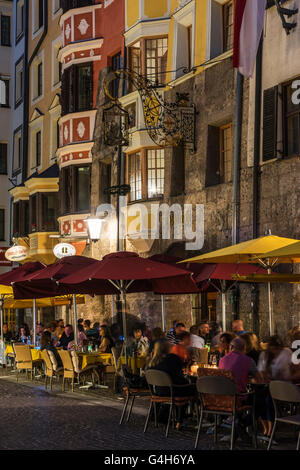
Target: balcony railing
{"type": "Point", "coordinates": [69, 4]}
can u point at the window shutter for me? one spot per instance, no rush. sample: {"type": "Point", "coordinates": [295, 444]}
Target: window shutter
{"type": "Point", "coordinates": [270, 124]}
{"type": "Point", "coordinates": [213, 156]}
{"type": "Point", "coordinates": [63, 96]}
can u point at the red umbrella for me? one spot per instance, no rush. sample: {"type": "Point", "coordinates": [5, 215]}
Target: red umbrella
{"type": "Point", "coordinates": [21, 273]}
{"type": "Point", "coordinates": [127, 272]}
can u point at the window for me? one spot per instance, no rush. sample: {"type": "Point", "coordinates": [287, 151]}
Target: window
{"type": "Point", "coordinates": [55, 6]}
{"type": "Point", "coordinates": [5, 30]}
{"type": "Point", "coordinates": [291, 122]}
{"type": "Point", "coordinates": [149, 57]}
{"type": "Point", "coordinates": [37, 15]}
{"type": "Point", "coordinates": [221, 27]}
{"type": "Point", "coordinates": [56, 64]}
{"type": "Point", "coordinates": [145, 174]}
{"type": "Point", "coordinates": [21, 218]}
{"type": "Point", "coordinates": [20, 19]}
{"type": "Point", "coordinates": [226, 153]}
{"type": "Point", "coordinates": [219, 155]}
{"type": "Point", "coordinates": [75, 189]}
{"type": "Point", "coordinates": [77, 88]}
{"type": "Point", "coordinates": [116, 64]}
{"type": "Point", "coordinates": [68, 4]}
{"type": "Point", "coordinates": [228, 25]}
{"type": "Point", "coordinates": [17, 155]}
{"type": "Point", "coordinates": [43, 212]}
{"type": "Point", "coordinates": [155, 172]}
{"type": "Point", "coordinates": [39, 79]}
{"type": "Point", "coordinates": [18, 82]}
{"type": "Point", "coordinates": [2, 224]}
{"type": "Point", "coordinates": [38, 148]}
{"type": "Point", "coordinates": [3, 158]}
{"type": "Point", "coordinates": [189, 34]}
{"type": "Point", "coordinates": [135, 176]}
{"type": "Point", "coordinates": [37, 73]}
{"type": "Point", "coordinates": [4, 92]}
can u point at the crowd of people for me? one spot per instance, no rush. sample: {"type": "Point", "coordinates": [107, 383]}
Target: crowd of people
{"type": "Point", "coordinates": [173, 352]}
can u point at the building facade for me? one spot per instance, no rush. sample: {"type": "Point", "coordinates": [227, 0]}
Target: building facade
{"type": "Point", "coordinates": [6, 106]}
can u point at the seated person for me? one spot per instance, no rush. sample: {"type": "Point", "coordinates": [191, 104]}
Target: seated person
{"type": "Point", "coordinates": [106, 340]}
{"type": "Point", "coordinates": [241, 365]}
{"type": "Point", "coordinates": [138, 344]}
{"type": "Point", "coordinates": [196, 340]}
{"type": "Point", "coordinates": [81, 338]}
{"type": "Point", "coordinates": [172, 336]}
{"type": "Point", "coordinates": [7, 335]}
{"type": "Point", "coordinates": [165, 361]}
{"type": "Point", "coordinates": [23, 334]}
{"type": "Point", "coordinates": [66, 337]}
{"type": "Point", "coordinates": [60, 328]}
{"type": "Point", "coordinates": [224, 343]}
{"type": "Point", "coordinates": [46, 343]}
{"type": "Point", "coordinates": [157, 334]}
{"type": "Point", "coordinates": [39, 332]}
{"type": "Point", "coordinates": [91, 333]}
{"type": "Point", "coordinates": [182, 348]}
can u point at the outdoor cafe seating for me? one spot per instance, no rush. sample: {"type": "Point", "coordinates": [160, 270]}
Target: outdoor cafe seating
{"type": "Point", "coordinates": [24, 360]}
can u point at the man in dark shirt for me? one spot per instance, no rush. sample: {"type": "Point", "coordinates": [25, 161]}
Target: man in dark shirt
{"type": "Point", "coordinates": [7, 335]}
{"type": "Point", "coordinates": [66, 337]}
{"type": "Point", "coordinates": [172, 336]}
{"type": "Point", "coordinates": [204, 332]}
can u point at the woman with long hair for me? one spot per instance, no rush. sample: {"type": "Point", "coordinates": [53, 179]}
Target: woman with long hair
{"type": "Point", "coordinates": [251, 346]}
{"type": "Point", "coordinates": [47, 343]}
{"type": "Point", "coordinates": [106, 340]}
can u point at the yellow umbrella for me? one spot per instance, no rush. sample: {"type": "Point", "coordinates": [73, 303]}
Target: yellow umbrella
{"type": "Point", "coordinates": [6, 290]}
{"type": "Point", "coordinates": [287, 254]}
{"type": "Point", "coordinates": [10, 302]}
{"type": "Point", "coordinates": [251, 251]}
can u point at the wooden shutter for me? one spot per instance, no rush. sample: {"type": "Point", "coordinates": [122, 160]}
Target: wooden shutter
{"type": "Point", "coordinates": [270, 124]}
{"type": "Point", "coordinates": [213, 156]}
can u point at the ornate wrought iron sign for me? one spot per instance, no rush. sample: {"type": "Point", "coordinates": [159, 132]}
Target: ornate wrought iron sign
{"type": "Point", "coordinates": [168, 124]}
{"type": "Point", "coordinates": [116, 125]}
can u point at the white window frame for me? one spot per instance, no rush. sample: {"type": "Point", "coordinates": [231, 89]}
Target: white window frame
{"type": "Point", "coordinates": [209, 35]}
{"type": "Point", "coordinates": [17, 134]}
{"type": "Point", "coordinates": [34, 127]}
{"type": "Point", "coordinates": [56, 45]}
{"type": "Point", "coordinates": [19, 67]}
{"type": "Point", "coordinates": [34, 77]}
{"type": "Point", "coordinates": [34, 10]}
{"type": "Point", "coordinates": [55, 11]}
{"type": "Point", "coordinates": [184, 17]}
{"type": "Point", "coordinates": [20, 3]}
{"type": "Point", "coordinates": [55, 114]}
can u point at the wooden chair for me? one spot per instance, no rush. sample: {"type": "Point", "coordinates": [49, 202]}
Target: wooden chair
{"type": "Point", "coordinates": [283, 394]}
{"type": "Point", "coordinates": [24, 360]}
{"type": "Point", "coordinates": [157, 378]}
{"type": "Point", "coordinates": [111, 368]}
{"type": "Point", "coordinates": [71, 369]}
{"type": "Point", "coordinates": [219, 396]}
{"type": "Point", "coordinates": [49, 368]}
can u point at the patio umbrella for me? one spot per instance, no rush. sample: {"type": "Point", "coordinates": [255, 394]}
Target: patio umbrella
{"type": "Point", "coordinates": [251, 251]}
{"type": "Point", "coordinates": [4, 291]}
{"type": "Point", "coordinates": [45, 282]}
{"type": "Point", "coordinates": [287, 254]}
{"type": "Point", "coordinates": [273, 278]}
{"type": "Point", "coordinates": [19, 274]}
{"type": "Point", "coordinates": [126, 272]}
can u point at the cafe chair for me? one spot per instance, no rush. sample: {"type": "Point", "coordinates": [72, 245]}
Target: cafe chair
{"type": "Point", "coordinates": [50, 370]}
{"type": "Point", "coordinates": [111, 369]}
{"type": "Point", "coordinates": [285, 395]}
{"type": "Point", "coordinates": [219, 396]}
{"type": "Point", "coordinates": [131, 392]}
{"type": "Point", "coordinates": [71, 369]}
{"type": "Point", "coordinates": [157, 378]}
{"type": "Point", "coordinates": [24, 360]}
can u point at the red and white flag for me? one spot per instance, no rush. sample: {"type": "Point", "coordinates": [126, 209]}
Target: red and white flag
{"type": "Point", "coordinates": [248, 27]}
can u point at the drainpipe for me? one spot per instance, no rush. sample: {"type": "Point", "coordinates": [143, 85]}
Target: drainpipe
{"type": "Point", "coordinates": [256, 171]}
{"type": "Point", "coordinates": [236, 169]}
{"type": "Point", "coordinates": [237, 157]}
{"type": "Point", "coordinates": [26, 82]}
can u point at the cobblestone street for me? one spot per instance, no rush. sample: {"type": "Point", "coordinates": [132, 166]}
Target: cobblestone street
{"type": "Point", "coordinates": [34, 419]}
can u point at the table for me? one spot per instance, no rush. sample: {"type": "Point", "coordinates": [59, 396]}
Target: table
{"type": "Point", "coordinates": [95, 358]}
{"type": "Point", "coordinates": [35, 353]}
{"type": "Point", "coordinates": [133, 362]}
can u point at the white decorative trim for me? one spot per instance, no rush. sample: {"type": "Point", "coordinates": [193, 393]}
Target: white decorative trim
{"type": "Point", "coordinates": [83, 26]}
{"type": "Point", "coordinates": [147, 29]}
{"type": "Point", "coordinates": [80, 129]}
{"type": "Point", "coordinates": [78, 11]}
{"type": "Point", "coordinates": [79, 46]}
